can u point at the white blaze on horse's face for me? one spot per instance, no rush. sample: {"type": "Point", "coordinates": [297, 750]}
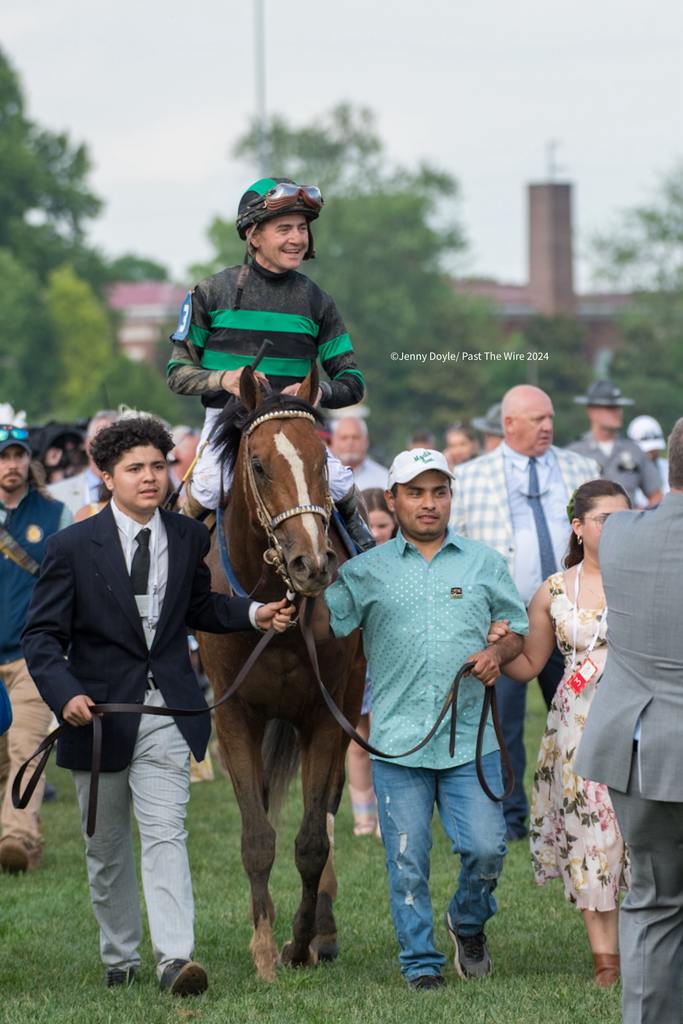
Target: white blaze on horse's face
{"type": "Point", "coordinates": [296, 464]}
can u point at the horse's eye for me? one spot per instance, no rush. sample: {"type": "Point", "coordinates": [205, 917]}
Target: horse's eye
{"type": "Point", "coordinates": [257, 467]}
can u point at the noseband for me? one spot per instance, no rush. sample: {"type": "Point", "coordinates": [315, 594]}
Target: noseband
{"type": "Point", "coordinates": [274, 555]}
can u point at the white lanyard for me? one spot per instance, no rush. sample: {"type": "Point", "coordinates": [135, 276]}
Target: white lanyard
{"type": "Point", "coordinates": [575, 627]}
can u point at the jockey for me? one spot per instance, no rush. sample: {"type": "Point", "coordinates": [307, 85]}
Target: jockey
{"type": "Point", "coordinates": [225, 319]}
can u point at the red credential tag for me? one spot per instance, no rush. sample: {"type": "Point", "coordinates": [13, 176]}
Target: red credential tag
{"type": "Point", "coordinates": [584, 673]}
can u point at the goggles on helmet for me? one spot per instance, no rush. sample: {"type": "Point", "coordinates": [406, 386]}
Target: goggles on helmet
{"type": "Point", "coordinates": [284, 194]}
{"type": "Point", "coordinates": [8, 432]}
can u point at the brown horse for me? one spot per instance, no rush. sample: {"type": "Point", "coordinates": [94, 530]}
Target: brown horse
{"type": "Point", "coordinates": [278, 466]}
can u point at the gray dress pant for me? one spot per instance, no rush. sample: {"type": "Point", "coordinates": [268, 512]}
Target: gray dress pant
{"type": "Point", "coordinates": [651, 916]}
{"type": "Point", "coordinates": [156, 786]}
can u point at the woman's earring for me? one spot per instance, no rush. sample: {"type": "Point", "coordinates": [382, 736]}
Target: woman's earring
{"type": "Point", "coordinates": [580, 540]}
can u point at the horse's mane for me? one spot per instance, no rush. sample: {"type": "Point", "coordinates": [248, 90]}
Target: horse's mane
{"type": "Point", "coordinates": [236, 418]}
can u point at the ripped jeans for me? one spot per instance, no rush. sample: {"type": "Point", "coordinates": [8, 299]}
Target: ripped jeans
{"type": "Point", "coordinates": [475, 827]}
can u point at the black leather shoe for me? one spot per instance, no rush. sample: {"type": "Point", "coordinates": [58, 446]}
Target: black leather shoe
{"type": "Point", "coordinates": [184, 978]}
{"type": "Point", "coordinates": [426, 981]}
{"type": "Point", "coordinates": [116, 977]}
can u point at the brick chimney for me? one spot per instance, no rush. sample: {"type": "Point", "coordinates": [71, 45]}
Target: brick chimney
{"type": "Point", "coordinates": [551, 278]}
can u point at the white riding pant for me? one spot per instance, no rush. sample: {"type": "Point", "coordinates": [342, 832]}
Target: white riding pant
{"type": "Point", "coordinates": [206, 475]}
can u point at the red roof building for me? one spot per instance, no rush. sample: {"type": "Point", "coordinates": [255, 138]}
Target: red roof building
{"type": "Point", "coordinates": [146, 310]}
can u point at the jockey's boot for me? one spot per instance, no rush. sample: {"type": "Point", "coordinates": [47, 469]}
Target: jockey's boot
{"type": "Point", "coordinates": [190, 505]}
{"type": "Point", "coordinates": [349, 509]}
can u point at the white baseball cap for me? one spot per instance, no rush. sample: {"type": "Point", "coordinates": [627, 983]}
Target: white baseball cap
{"type": "Point", "coordinates": [409, 464]}
{"type": "Point", "coordinates": [646, 432]}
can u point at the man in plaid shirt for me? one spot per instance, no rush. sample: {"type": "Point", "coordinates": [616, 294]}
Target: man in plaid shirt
{"type": "Point", "coordinates": [514, 499]}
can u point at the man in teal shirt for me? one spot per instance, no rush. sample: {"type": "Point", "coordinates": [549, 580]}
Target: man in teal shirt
{"type": "Point", "coordinates": [425, 601]}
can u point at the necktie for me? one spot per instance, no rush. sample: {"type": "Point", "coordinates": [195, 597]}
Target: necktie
{"type": "Point", "coordinates": [139, 569]}
{"type": "Point", "coordinates": [545, 544]}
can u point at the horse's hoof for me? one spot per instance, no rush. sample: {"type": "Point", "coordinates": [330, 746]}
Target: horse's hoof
{"type": "Point", "coordinates": [326, 947]}
{"type": "Point", "coordinates": [288, 957]}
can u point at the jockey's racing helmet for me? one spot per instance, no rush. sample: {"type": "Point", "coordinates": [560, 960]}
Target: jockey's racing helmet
{"type": "Point", "coordinates": [273, 197]}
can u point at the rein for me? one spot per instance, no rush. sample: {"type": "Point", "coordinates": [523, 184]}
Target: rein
{"type": "Point", "coordinates": [20, 800]}
{"type": "Point", "coordinates": [274, 556]}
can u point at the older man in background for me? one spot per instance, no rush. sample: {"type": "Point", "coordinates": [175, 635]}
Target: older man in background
{"type": "Point", "coordinates": [350, 443]}
{"type": "Point", "coordinates": [515, 499]}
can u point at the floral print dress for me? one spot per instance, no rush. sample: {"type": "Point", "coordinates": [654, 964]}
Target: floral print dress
{"type": "Point", "coordinates": [574, 833]}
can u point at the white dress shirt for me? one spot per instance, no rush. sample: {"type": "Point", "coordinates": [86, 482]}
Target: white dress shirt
{"type": "Point", "coordinates": [554, 498]}
{"type": "Point", "coordinates": [149, 605]}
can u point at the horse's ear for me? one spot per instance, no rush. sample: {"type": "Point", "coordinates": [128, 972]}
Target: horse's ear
{"type": "Point", "coordinates": [308, 389]}
{"type": "Point", "coordinates": [250, 391]}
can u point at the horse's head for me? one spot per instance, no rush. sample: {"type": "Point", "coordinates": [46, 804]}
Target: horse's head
{"type": "Point", "coordinates": [283, 467]}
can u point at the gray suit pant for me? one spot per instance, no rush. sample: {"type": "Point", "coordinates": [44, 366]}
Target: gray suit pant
{"type": "Point", "coordinates": [651, 917]}
{"type": "Point", "coordinates": [156, 785]}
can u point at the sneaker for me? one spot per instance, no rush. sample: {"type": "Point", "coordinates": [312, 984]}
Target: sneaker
{"type": "Point", "coordinates": [471, 958]}
{"type": "Point", "coordinates": [425, 982]}
{"type": "Point", "coordinates": [118, 977]}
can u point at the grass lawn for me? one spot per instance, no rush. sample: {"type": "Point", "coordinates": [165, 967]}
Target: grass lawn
{"type": "Point", "coordinates": [50, 971]}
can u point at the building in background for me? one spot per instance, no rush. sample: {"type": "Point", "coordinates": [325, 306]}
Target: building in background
{"type": "Point", "coordinates": [145, 309]}
{"type": "Point", "coordinates": [549, 290]}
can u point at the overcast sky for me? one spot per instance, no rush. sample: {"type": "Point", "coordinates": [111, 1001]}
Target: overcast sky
{"type": "Point", "coordinates": [159, 91]}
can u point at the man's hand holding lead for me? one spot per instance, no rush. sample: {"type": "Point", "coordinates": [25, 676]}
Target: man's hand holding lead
{"type": "Point", "coordinates": [277, 614]}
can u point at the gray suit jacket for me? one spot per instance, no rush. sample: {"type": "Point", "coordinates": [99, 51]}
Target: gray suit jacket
{"type": "Point", "coordinates": [641, 556]}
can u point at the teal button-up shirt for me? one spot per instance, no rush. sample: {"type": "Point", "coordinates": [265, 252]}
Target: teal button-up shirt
{"type": "Point", "coordinates": [421, 620]}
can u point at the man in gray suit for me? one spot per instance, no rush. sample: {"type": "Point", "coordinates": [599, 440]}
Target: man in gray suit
{"type": "Point", "coordinates": [633, 740]}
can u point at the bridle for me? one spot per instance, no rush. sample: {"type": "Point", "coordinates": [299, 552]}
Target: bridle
{"type": "Point", "coordinates": [274, 555]}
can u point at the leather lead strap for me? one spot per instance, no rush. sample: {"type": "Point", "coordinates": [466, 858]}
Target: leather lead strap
{"type": "Point", "coordinates": [20, 800]}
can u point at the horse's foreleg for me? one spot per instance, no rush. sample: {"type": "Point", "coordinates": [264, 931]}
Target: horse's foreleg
{"type": "Point", "coordinates": [320, 764]}
{"type": "Point", "coordinates": [325, 942]}
{"type": "Point", "coordinates": [240, 739]}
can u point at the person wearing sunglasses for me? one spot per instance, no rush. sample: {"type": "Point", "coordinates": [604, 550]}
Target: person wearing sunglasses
{"type": "Point", "coordinates": [227, 317]}
{"type": "Point", "coordinates": [27, 518]}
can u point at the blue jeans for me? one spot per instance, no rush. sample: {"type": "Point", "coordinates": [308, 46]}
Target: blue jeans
{"type": "Point", "coordinates": [475, 827]}
{"type": "Point", "coordinates": [511, 697]}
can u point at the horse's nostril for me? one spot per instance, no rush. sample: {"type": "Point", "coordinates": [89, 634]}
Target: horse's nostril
{"type": "Point", "coordinates": [309, 565]}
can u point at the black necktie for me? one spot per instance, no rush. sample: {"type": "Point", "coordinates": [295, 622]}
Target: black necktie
{"type": "Point", "coordinates": [139, 570]}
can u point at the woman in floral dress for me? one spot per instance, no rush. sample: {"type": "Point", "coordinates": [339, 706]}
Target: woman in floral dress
{"type": "Point", "coordinates": [574, 832]}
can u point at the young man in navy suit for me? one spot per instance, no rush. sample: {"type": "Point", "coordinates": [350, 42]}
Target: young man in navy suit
{"type": "Point", "coordinates": [108, 622]}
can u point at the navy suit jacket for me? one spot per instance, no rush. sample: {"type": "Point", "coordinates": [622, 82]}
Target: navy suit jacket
{"type": "Point", "coordinates": [84, 635]}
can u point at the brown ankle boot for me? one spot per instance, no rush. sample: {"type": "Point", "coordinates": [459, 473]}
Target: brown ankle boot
{"type": "Point", "coordinates": [607, 972]}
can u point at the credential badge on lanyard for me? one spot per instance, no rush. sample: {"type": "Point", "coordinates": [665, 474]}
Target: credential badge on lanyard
{"type": "Point", "coordinates": [587, 670]}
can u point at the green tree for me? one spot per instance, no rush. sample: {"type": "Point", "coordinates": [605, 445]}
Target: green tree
{"type": "Point", "coordinates": [83, 341]}
{"type": "Point", "coordinates": [45, 203]}
{"type": "Point", "coordinates": [25, 339]}
{"type": "Point", "coordinates": [388, 240]}
{"type": "Point", "coordinates": [643, 253]}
